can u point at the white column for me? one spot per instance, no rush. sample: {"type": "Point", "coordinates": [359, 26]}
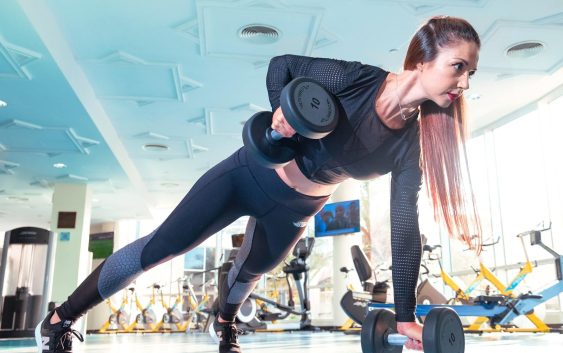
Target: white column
{"type": "Point", "coordinates": [349, 190]}
{"type": "Point", "coordinates": [72, 259]}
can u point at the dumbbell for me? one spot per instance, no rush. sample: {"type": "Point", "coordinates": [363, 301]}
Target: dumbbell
{"type": "Point", "coordinates": [308, 108]}
{"type": "Point", "coordinates": [442, 332]}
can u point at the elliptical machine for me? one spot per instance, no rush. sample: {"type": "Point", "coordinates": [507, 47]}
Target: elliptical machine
{"type": "Point", "coordinates": [299, 270]}
{"type": "Point", "coordinates": [254, 315]}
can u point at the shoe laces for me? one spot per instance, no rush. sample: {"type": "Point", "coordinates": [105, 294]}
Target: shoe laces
{"type": "Point", "coordinates": [65, 340]}
{"type": "Point", "coordinates": [231, 333]}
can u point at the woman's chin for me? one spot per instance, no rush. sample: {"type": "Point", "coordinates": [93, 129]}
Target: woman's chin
{"type": "Point", "coordinates": [444, 103]}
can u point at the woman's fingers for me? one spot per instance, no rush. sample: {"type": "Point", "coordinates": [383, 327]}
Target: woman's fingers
{"type": "Point", "coordinates": [280, 124]}
{"type": "Point", "coordinates": [413, 344]}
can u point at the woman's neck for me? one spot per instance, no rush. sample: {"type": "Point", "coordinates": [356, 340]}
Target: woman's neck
{"type": "Point", "coordinates": [398, 98]}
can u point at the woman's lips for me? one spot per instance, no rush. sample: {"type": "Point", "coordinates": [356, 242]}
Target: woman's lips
{"type": "Point", "coordinates": [453, 96]}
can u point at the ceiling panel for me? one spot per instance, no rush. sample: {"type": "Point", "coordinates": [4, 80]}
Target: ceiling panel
{"type": "Point", "coordinates": [89, 84]}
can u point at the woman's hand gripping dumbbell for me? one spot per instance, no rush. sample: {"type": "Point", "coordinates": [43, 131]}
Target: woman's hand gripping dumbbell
{"type": "Point", "coordinates": [306, 108]}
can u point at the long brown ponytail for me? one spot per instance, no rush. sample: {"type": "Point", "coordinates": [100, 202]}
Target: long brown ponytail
{"type": "Point", "coordinates": [443, 134]}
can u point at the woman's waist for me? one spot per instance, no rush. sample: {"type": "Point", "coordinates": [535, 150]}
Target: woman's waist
{"type": "Point", "coordinates": [292, 176]}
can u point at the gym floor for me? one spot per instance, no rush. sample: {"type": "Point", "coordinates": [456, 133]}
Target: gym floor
{"type": "Point", "coordinates": [294, 342]}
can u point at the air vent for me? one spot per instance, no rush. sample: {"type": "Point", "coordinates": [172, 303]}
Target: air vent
{"type": "Point", "coordinates": [525, 49]}
{"type": "Point", "coordinates": [259, 34]}
{"type": "Point", "coordinates": [155, 147]}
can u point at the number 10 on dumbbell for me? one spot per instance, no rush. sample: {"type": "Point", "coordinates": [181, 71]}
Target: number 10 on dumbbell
{"type": "Point", "coordinates": [308, 108]}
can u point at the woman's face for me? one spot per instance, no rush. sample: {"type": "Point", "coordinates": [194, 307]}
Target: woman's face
{"type": "Point", "coordinates": [446, 77]}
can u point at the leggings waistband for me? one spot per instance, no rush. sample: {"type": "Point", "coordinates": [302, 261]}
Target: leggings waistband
{"type": "Point", "coordinates": [270, 182]}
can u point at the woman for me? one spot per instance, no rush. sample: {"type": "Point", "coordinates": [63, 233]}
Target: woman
{"type": "Point", "coordinates": [405, 124]}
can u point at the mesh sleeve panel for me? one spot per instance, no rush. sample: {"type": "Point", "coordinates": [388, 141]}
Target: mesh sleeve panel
{"type": "Point", "coordinates": [334, 75]}
{"type": "Point", "coordinates": [406, 245]}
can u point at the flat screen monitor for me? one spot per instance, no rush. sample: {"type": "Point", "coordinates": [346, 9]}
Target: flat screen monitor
{"type": "Point", "coordinates": [338, 218]}
{"type": "Point", "coordinates": [195, 259]}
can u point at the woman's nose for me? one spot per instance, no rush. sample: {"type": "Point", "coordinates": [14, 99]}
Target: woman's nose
{"type": "Point", "coordinates": [464, 81]}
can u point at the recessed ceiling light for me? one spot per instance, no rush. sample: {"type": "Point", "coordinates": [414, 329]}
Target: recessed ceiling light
{"type": "Point", "coordinates": [155, 147]}
{"type": "Point", "coordinates": [3, 104]}
{"type": "Point", "coordinates": [259, 34]}
{"type": "Point", "coordinates": [525, 49]}
{"type": "Point", "coordinates": [59, 165]}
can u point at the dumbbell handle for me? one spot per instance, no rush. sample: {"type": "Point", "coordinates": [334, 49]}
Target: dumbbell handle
{"type": "Point", "coordinates": [396, 339]}
{"type": "Point", "coordinates": [274, 134]}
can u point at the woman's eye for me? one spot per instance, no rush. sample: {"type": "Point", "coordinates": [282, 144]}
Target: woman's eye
{"type": "Point", "coordinates": [458, 66]}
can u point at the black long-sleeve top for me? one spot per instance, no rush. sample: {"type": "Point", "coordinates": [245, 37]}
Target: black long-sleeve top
{"type": "Point", "coordinates": [362, 147]}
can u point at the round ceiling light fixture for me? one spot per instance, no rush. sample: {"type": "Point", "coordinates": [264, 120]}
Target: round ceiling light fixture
{"type": "Point", "coordinates": [59, 165]}
{"type": "Point", "coordinates": [525, 49]}
{"type": "Point", "coordinates": [259, 34]}
{"type": "Point", "coordinates": [155, 147]}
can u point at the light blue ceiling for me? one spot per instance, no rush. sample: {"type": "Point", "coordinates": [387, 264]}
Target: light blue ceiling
{"type": "Point", "coordinates": [89, 83]}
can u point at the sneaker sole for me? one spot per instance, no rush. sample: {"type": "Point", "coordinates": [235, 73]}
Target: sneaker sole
{"type": "Point", "coordinates": [38, 339]}
{"type": "Point", "coordinates": [213, 334]}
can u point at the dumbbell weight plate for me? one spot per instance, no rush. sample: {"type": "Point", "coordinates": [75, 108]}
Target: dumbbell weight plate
{"type": "Point", "coordinates": [271, 154]}
{"type": "Point", "coordinates": [443, 332]}
{"type": "Point", "coordinates": [309, 108]}
{"type": "Point", "coordinates": [377, 324]}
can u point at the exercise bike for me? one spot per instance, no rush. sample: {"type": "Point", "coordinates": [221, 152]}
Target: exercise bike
{"type": "Point", "coordinates": [119, 317]}
{"type": "Point", "coordinates": [525, 303]}
{"type": "Point", "coordinates": [173, 315]}
{"type": "Point", "coordinates": [354, 303]}
{"type": "Point", "coordinates": [146, 320]}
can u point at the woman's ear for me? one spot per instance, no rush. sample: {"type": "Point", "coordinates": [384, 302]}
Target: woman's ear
{"type": "Point", "coordinates": [420, 66]}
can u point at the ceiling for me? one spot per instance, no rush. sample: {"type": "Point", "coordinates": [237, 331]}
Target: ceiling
{"type": "Point", "coordinates": [90, 84]}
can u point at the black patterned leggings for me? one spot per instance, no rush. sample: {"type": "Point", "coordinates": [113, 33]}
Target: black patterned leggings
{"type": "Point", "coordinates": [233, 188]}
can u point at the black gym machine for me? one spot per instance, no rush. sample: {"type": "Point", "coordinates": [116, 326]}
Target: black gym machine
{"type": "Point", "coordinates": [298, 269]}
{"type": "Point", "coordinates": [250, 318]}
{"type": "Point", "coordinates": [26, 276]}
{"type": "Point", "coordinates": [355, 303]}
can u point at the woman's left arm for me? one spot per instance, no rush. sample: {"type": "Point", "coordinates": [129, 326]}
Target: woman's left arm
{"type": "Point", "coordinates": [405, 236]}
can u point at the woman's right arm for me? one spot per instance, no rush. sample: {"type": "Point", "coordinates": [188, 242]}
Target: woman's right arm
{"type": "Point", "coordinates": [334, 75]}
{"type": "Point", "coordinates": [279, 75]}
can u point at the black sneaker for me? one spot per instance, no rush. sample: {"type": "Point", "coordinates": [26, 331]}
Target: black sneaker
{"type": "Point", "coordinates": [226, 334]}
{"type": "Point", "coordinates": [55, 338]}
